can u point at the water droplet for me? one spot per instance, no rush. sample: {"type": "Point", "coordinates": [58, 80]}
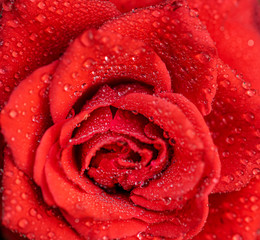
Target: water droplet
{"type": "Point", "coordinates": [88, 63]}
{"type": "Point", "coordinates": [51, 235]}
{"type": "Point", "coordinates": [237, 237]}
{"type": "Point", "coordinates": [156, 24]}
{"type": "Point", "coordinates": [190, 133]}
{"type": "Point", "coordinates": [12, 23]}
{"type": "Point", "coordinates": [49, 30]}
{"type": "Point", "coordinates": [33, 212]}
{"type": "Point", "coordinates": [41, 5]}
{"type": "Point", "coordinates": [13, 113]}
{"type": "Point", "coordinates": [156, 13]}
{"type": "Point", "coordinates": [251, 43]}
{"type": "Point", "coordinates": [45, 78]}
{"type": "Point", "coordinates": [256, 171]}
{"type": "Point", "coordinates": [31, 235]}
{"type": "Point", "coordinates": [87, 38]}
{"type": "Point", "coordinates": [251, 92]}
{"type": "Point", "coordinates": [18, 208]}
{"type": "Point", "coordinates": [40, 18]}
{"type": "Point", "coordinates": [230, 140]}
{"type": "Point", "coordinates": [23, 223]}
{"type": "Point", "coordinates": [18, 181]}
{"type": "Point", "coordinates": [246, 85]}
{"type": "Point", "coordinates": [24, 196]}
{"type": "Point", "coordinates": [39, 216]}
{"type": "Point", "coordinates": [227, 178]}
{"type": "Point", "coordinates": [194, 12]}
{"type": "Point", "coordinates": [248, 219]}
{"type": "Point", "coordinates": [248, 116]}
{"type": "Point", "coordinates": [203, 57]}
{"type": "Point", "coordinates": [167, 200]}
{"type": "Point", "coordinates": [66, 87]}
{"type": "Point", "coordinates": [230, 216]}
{"type": "Point", "coordinates": [15, 54]}
{"type": "Point", "coordinates": [253, 199]}
{"type": "Point", "coordinates": [254, 208]}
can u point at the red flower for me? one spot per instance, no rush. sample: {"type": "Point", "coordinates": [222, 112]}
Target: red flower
{"type": "Point", "coordinates": [131, 125]}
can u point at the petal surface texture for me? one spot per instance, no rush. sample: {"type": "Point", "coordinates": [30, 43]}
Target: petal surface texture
{"type": "Point", "coordinates": [25, 211]}
{"type": "Point", "coordinates": [181, 41]}
{"type": "Point", "coordinates": [35, 33]}
{"type": "Point", "coordinates": [27, 116]}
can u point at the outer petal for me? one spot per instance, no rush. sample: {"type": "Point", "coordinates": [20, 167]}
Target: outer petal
{"type": "Point", "coordinates": [235, 127]}
{"type": "Point", "coordinates": [116, 229]}
{"type": "Point", "coordinates": [182, 42]}
{"type": "Point", "coordinates": [35, 33]}
{"type": "Point", "coordinates": [26, 117]}
{"type": "Point", "coordinates": [25, 212]}
{"type": "Point", "coordinates": [237, 214]}
{"type": "Point", "coordinates": [234, 26]}
{"type": "Point", "coordinates": [102, 57]}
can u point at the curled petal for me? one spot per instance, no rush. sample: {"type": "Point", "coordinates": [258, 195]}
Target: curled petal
{"type": "Point", "coordinates": [181, 41]}
{"type": "Point", "coordinates": [26, 117]}
{"type": "Point", "coordinates": [102, 57]}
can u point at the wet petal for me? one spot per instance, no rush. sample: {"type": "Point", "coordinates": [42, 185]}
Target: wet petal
{"type": "Point", "coordinates": [24, 210]}
{"type": "Point", "coordinates": [26, 117]}
{"type": "Point", "coordinates": [103, 57]}
{"type": "Point", "coordinates": [182, 42]}
{"type": "Point", "coordinates": [234, 124]}
{"type": "Point", "coordinates": [237, 214]}
{"type": "Point", "coordinates": [35, 33]}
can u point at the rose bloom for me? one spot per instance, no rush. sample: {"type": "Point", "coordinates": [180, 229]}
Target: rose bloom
{"type": "Point", "coordinates": [130, 119]}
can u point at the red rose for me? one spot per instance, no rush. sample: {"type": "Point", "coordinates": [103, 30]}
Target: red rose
{"type": "Point", "coordinates": [126, 120]}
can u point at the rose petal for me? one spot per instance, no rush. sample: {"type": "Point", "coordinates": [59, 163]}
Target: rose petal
{"type": "Point", "coordinates": [102, 57]}
{"type": "Point", "coordinates": [234, 26]}
{"type": "Point", "coordinates": [237, 214]}
{"type": "Point", "coordinates": [181, 41]}
{"type": "Point", "coordinates": [126, 5]}
{"type": "Point", "coordinates": [97, 122]}
{"type": "Point", "coordinates": [93, 203]}
{"type": "Point", "coordinates": [116, 229]}
{"type": "Point", "coordinates": [105, 96]}
{"type": "Point", "coordinates": [24, 210]}
{"type": "Point", "coordinates": [188, 163]}
{"type": "Point", "coordinates": [192, 219]}
{"type": "Point", "coordinates": [235, 127]}
{"type": "Point", "coordinates": [47, 142]}
{"type": "Point", "coordinates": [26, 117]}
{"type": "Point", "coordinates": [37, 32]}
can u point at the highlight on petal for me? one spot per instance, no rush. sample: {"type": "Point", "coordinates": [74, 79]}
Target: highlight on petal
{"type": "Point", "coordinates": [27, 116]}
{"type": "Point", "coordinates": [234, 124]}
{"type": "Point", "coordinates": [181, 41]}
{"type": "Point", "coordinates": [103, 57]}
{"type": "Point", "coordinates": [237, 214]}
{"type": "Point", "coordinates": [34, 33]}
{"type": "Point", "coordinates": [24, 210]}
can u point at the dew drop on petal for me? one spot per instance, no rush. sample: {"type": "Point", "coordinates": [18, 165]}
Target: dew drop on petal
{"type": "Point", "coordinates": [13, 113]}
{"type": "Point", "coordinates": [237, 237]}
{"type": "Point", "coordinates": [22, 223]}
